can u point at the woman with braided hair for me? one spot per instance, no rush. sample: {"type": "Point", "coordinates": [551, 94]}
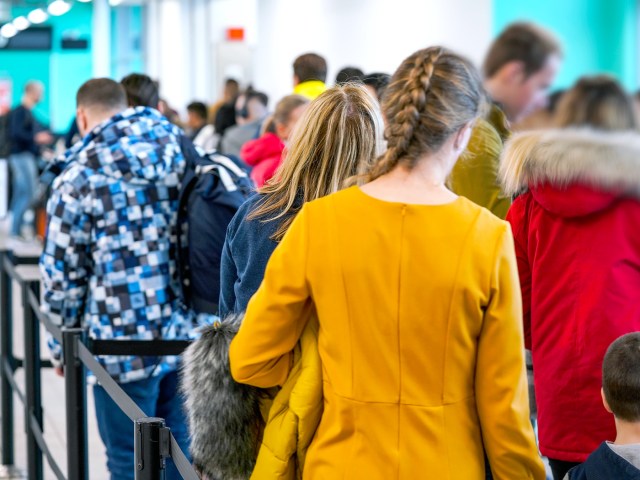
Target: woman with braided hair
{"type": "Point", "coordinates": [417, 297]}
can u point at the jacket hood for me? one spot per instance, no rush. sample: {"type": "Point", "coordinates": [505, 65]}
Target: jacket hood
{"type": "Point", "coordinates": [572, 172]}
{"type": "Point", "coordinates": [265, 147]}
{"type": "Point", "coordinates": [138, 145]}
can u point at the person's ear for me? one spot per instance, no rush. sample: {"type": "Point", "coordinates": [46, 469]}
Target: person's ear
{"type": "Point", "coordinates": [82, 121]}
{"type": "Point", "coordinates": [462, 137]}
{"type": "Point", "coordinates": [604, 401]}
{"type": "Point", "coordinates": [296, 80]}
{"type": "Point", "coordinates": [513, 72]}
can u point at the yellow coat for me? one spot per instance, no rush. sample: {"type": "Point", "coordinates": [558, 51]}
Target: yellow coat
{"type": "Point", "coordinates": [420, 339]}
{"type": "Point", "coordinates": [475, 175]}
{"type": "Point", "coordinates": [294, 414]}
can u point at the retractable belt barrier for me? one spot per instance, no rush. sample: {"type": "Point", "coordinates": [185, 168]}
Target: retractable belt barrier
{"type": "Point", "coordinates": [154, 442]}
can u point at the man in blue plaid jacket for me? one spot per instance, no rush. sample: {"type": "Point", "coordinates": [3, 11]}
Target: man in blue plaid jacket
{"type": "Point", "coordinates": [109, 257]}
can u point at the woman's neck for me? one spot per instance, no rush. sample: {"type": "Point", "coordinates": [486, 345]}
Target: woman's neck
{"type": "Point", "coordinates": [424, 183]}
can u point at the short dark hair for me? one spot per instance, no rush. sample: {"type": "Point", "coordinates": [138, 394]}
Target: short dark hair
{"type": "Point", "coordinates": [378, 81]}
{"type": "Point", "coordinates": [349, 74]}
{"type": "Point", "coordinates": [525, 42]}
{"type": "Point", "coordinates": [263, 98]}
{"type": "Point", "coordinates": [310, 66]}
{"type": "Point", "coordinates": [102, 92]}
{"type": "Point", "coordinates": [199, 108]}
{"type": "Point", "coordinates": [141, 90]}
{"type": "Point", "coordinates": [621, 377]}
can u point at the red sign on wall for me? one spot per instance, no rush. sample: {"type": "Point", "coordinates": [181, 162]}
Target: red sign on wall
{"type": "Point", "coordinates": [235, 34]}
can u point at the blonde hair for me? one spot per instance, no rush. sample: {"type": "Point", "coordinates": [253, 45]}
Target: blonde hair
{"type": "Point", "coordinates": [283, 111]}
{"type": "Point", "coordinates": [333, 147]}
{"type": "Point", "coordinates": [598, 102]}
{"type": "Point", "coordinates": [433, 94]}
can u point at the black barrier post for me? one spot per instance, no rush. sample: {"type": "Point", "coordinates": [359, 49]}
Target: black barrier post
{"type": "Point", "coordinates": [6, 358]}
{"type": "Point", "coordinates": [76, 393]}
{"type": "Point", "coordinates": [33, 381]}
{"type": "Point", "coordinates": [152, 442]}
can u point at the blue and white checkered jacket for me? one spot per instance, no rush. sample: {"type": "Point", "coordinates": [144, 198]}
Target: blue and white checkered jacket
{"type": "Point", "coordinates": [109, 257]}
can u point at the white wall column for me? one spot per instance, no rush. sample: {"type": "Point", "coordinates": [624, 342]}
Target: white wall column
{"type": "Point", "coordinates": [166, 48]}
{"type": "Point", "coordinates": [101, 38]}
{"type": "Point", "coordinates": [202, 88]}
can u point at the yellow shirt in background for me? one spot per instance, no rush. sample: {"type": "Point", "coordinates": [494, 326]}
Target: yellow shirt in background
{"type": "Point", "coordinates": [310, 89]}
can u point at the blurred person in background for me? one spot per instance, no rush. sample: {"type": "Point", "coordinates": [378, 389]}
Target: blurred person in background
{"type": "Point", "coordinates": [264, 154]}
{"type": "Point", "coordinates": [26, 137]}
{"type": "Point", "coordinates": [376, 83]}
{"type": "Point", "coordinates": [349, 74]}
{"type": "Point", "coordinates": [309, 75]}
{"type": "Point", "coordinates": [201, 133]}
{"type": "Point", "coordinates": [226, 104]}
{"type": "Point", "coordinates": [251, 111]}
{"type": "Point", "coordinates": [519, 68]}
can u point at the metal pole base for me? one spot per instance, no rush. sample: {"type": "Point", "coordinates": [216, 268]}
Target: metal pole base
{"type": "Point", "coordinates": [10, 472]}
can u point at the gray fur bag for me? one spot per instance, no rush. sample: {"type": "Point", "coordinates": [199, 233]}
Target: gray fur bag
{"type": "Point", "coordinates": [225, 420]}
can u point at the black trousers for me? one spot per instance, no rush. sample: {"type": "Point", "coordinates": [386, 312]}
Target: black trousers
{"type": "Point", "coordinates": [559, 468]}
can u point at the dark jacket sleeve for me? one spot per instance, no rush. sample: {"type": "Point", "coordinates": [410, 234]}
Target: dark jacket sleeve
{"type": "Point", "coordinates": [228, 275]}
{"type": "Point", "coordinates": [22, 130]}
{"type": "Point", "coordinates": [248, 247]}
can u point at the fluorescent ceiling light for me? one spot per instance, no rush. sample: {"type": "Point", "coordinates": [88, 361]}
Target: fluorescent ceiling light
{"type": "Point", "coordinates": [8, 30]}
{"type": "Point", "coordinates": [84, 1]}
{"type": "Point", "coordinates": [115, 3]}
{"type": "Point", "coordinates": [58, 7]}
{"type": "Point", "coordinates": [38, 16]}
{"type": "Point", "coordinates": [21, 23]}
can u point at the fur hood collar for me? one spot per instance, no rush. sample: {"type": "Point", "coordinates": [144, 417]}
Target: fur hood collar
{"type": "Point", "coordinates": [601, 161]}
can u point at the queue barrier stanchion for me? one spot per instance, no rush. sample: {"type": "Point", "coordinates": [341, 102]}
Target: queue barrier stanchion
{"type": "Point", "coordinates": [76, 404]}
{"type": "Point", "coordinates": [151, 446]}
{"type": "Point", "coordinates": [154, 440]}
{"type": "Point", "coordinates": [33, 382]}
{"type": "Point", "coordinates": [7, 365]}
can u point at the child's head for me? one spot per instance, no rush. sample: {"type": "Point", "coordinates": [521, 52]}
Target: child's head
{"type": "Point", "coordinates": [621, 378]}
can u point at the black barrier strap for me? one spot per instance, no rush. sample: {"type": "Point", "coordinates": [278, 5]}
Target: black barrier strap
{"type": "Point", "coordinates": [128, 406]}
{"type": "Point", "coordinates": [37, 433]}
{"type": "Point", "coordinates": [14, 386]}
{"type": "Point", "coordinates": [142, 348]}
{"type": "Point", "coordinates": [182, 464]}
{"type": "Point", "coordinates": [44, 319]}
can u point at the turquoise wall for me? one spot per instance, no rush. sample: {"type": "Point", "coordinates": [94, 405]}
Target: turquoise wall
{"type": "Point", "coordinates": [61, 71]}
{"type": "Point", "coordinates": [598, 36]}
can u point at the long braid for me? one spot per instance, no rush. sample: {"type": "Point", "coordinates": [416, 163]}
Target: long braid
{"type": "Point", "coordinates": [403, 104]}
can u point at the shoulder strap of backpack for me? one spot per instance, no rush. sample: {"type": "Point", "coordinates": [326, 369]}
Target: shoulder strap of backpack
{"type": "Point", "coordinates": [182, 265]}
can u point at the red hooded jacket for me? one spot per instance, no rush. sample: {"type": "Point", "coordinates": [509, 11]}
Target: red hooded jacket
{"type": "Point", "coordinates": [265, 155]}
{"type": "Point", "coordinates": [578, 250]}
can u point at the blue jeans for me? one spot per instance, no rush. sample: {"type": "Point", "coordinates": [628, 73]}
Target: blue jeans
{"type": "Point", "coordinates": [157, 397]}
{"type": "Point", "coordinates": [24, 173]}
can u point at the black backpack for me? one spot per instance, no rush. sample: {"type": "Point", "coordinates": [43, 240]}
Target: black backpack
{"type": "Point", "coordinates": [213, 188]}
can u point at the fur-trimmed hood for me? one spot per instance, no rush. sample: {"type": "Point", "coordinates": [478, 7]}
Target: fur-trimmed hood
{"type": "Point", "coordinates": [572, 172]}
